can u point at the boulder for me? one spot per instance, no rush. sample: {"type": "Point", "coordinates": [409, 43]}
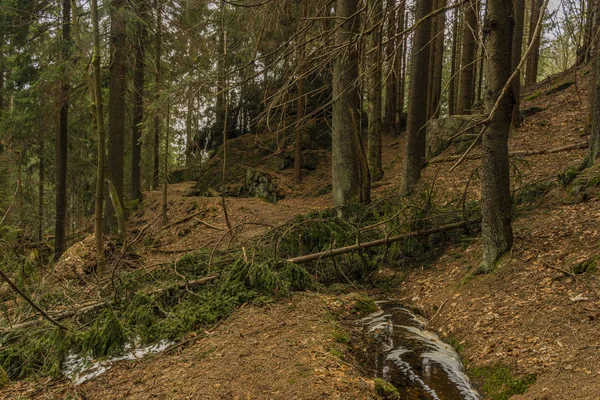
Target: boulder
{"type": "Point", "coordinates": [440, 132]}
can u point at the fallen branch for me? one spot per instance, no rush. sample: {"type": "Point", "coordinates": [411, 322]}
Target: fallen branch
{"type": "Point", "coordinates": [189, 217]}
{"type": "Point", "coordinates": [28, 299]}
{"type": "Point", "coordinates": [94, 305]}
{"type": "Point", "coordinates": [518, 153]}
{"type": "Point", "coordinates": [380, 242]}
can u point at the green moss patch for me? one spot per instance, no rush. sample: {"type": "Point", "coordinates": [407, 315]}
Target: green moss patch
{"type": "Point", "coordinates": [499, 382]}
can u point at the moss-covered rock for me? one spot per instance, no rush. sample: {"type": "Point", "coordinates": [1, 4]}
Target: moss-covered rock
{"type": "Point", "coordinates": [3, 378]}
{"type": "Point", "coordinates": [386, 390]}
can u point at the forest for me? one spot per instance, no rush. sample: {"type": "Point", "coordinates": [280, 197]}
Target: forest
{"type": "Point", "coordinates": [299, 199]}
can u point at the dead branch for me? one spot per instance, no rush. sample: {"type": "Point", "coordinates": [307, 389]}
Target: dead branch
{"type": "Point", "coordinates": [189, 217]}
{"type": "Point", "coordinates": [28, 299]}
{"type": "Point", "coordinates": [95, 305]}
{"type": "Point", "coordinates": [518, 153]}
{"type": "Point", "coordinates": [379, 242]}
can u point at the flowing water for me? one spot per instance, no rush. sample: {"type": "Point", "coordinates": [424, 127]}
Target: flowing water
{"type": "Point", "coordinates": [413, 359]}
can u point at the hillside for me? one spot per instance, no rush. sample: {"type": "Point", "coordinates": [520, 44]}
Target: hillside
{"type": "Point", "coordinates": [536, 315]}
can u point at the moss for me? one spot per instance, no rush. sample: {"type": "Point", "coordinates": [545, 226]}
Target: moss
{"type": "Point", "coordinates": [533, 96]}
{"type": "Point", "coordinates": [565, 178]}
{"type": "Point", "coordinates": [3, 378]}
{"type": "Point", "coordinates": [533, 193]}
{"type": "Point", "coordinates": [386, 390]}
{"type": "Point", "coordinates": [498, 382]}
{"type": "Point", "coordinates": [589, 265]}
{"type": "Point", "coordinates": [341, 336]}
{"type": "Point", "coordinates": [107, 335]}
{"type": "Point", "coordinates": [364, 306]}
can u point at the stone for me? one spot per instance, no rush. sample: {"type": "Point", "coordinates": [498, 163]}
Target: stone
{"type": "Point", "coordinates": [440, 132]}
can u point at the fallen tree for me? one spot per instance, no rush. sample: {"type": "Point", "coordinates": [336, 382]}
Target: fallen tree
{"type": "Point", "coordinates": [380, 242]}
{"type": "Point", "coordinates": [83, 308]}
{"type": "Point", "coordinates": [518, 153]}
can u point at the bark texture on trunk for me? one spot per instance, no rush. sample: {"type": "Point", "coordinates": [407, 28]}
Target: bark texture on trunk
{"type": "Point", "coordinates": [391, 75]}
{"type": "Point", "coordinates": [138, 108]}
{"type": "Point", "coordinates": [158, 82]}
{"type": "Point", "coordinates": [438, 61]}
{"type": "Point", "coordinates": [62, 142]}
{"type": "Point", "coordinates": [534, 55]}
{"type": "Point", "coordinates": [594, 114]}
{"type": "Point", "coordinates": [455, 64]}
{"type": "Point", "coordinates": [116, 108]}
{"type": "Point", "coordinates": [497, 231]}
{"type": "Point", "coordinates": [374, 89]}
{"type": "Point", "coordinates": [468, 53]}
{"type": "Point", "coordinates": [417, 105]}
{"type": "Point", "coordinates": [400, 68]}
{"type": "Point", "coordinates": [517, 52]}
{"type": "Point", "coordinates": [99, 123]}
{"type": "Point", "coordinates": [346, 113]}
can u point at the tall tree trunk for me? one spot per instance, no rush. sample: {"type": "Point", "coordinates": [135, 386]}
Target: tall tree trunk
{"type": "Point", "coordinates": [400, 67]}
{"type": "Point", "coordinates": [346, 175]}
{"type": "Point", "coordinates": [454, 61]}
{"type": "Point", "coordinates": [391, 76]}
{"type": "Point", "coordinates": [495, 180]}
{"type": "Point", "coordinates": [62, 140]}
{"type": "Point", "coordinates": [20, 190]}
{"type": "Point", "coordinates": [517, 52]}
{"type": "Point", "coordinates": [158, 83]}
{"type": "Point", "coordinates": [374, 89]}
{"type": "Point", "coordinates": [99, 122]}
{"type": "Point", "coordinates": [468, 53]}
{"type": "Point", "coordinates": [438, 59]}
{"type": "Point", "coordinates": [138, 106]}
{"type": "Point", "coordinates": [300, 106]}
{"type": "Point", "coordinates": [534, 55]}
{"type": "Point", "coordinates": [41, 183]}
{"type": "Point", "coordinates": [594, 106]}
{"type": "Point", "coordinates": [417, 105]}
{"type": "Point", "coordinates": [165, 217]}
{"type": "Point", "coordinates": [116, 108]}
{"type": "Point", "coordinates": [584, 53]}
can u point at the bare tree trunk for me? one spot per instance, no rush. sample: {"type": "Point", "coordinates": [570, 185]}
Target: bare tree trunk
{"type": "Point", "coordinates": [100, 258]}
{"type": "Point", "coordinates": [41, 187]}
{"type": "Point", "coordinates": [158, 80]}
{"type": "Point", "coordinates": [594, 114]}
{"type": "Point", "coordinates": [20, 189]}
{"type": "Point", "coordinates": [438, 67]}
{"type": "Point", "coordinates": [300, 105]}
{"type": "Point", "coordinates": [138, 105]}
{"type": "Point", "coordinates": [517, 52]}
{"type": "Point", "coordinates": [401, 67]}
{"type": "Point", "coordinates": [534, 56]}
{"type": "Point", "coordinates": [165, 217]}
{"type": "Point", "coordinates": [374, 90]}
{"type": "Point", "coordinates": [62, 141]}
{"type": "Point", "coordinates": [468, 53]}
{"type": "Point", "coordinates": [455, 66]}
{"type": "Point", "coordinates": [346, 115]}
{"type": "Point", "coordinates": [116, 108]}
{"type": "Point", "coordinates": [417, 105]}
{"type": "Point", "coordinates": [391, 76]}
{"type": "Point", "coordinates": [497, 231]}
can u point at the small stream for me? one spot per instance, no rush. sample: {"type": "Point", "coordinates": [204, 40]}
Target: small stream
{"type": "Point", "coordinates": [414, 360]}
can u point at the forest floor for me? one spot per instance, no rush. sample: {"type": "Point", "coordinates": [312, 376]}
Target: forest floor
{"type": "Point", "coordinates": [537, 314]}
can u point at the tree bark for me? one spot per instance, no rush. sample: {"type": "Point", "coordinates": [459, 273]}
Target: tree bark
{"type": "Point", "coordinates": [158, 83]}
{"type": "Point", "coordinates": [594, 150]}
{"type": "Point", "coordinates": [517, 52]}
{"type": "Point", "coordinates": [454, 68]}
{"type": "Point", "coordinates": [138, 105]}
{"type": "Point", "coordinates": [401, 67]}
{"type": "Point", "coordinates": [496, 224]}
{"type": "Point", "coordinates": [417, 105]}
{"type": "Point", "coordinates": [99, 122]}
{"type": "Point", "coordinates": [62, 140]}
{"type": "Point", "coordinates": [534, 56]}
{"type": "Point", "coordinates": [438, 60]}
{"type": "Point", "coordinates": [468, 53]}
{"type": "Point", "coordinates": [391, 76]}
{"type": "Point", "coordinates": [116, 108]}
{"type": "Point", "coordinates": [300, 105]}
{"type": "Point", "coordinates": [41, 187]}
{"type": "Point", "coordinates": [374, 90]}
{"type": "Point", "coordinates": [346, 175]}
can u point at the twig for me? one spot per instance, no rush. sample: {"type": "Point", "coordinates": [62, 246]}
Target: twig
{"type": "Point", "coordinates": [27, 299]}
{"type": "Point", "coordinates": [436, 314]}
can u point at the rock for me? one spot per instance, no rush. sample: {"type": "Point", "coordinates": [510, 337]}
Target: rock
{"type": "Point", "coordinates": [179, 175]}
{"type": "Point", "coordinates": [260, 184]}
{"type": "Point", "coordinates": [386, 390]}
{"type": "Point", "coordinates": [441, 130]}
